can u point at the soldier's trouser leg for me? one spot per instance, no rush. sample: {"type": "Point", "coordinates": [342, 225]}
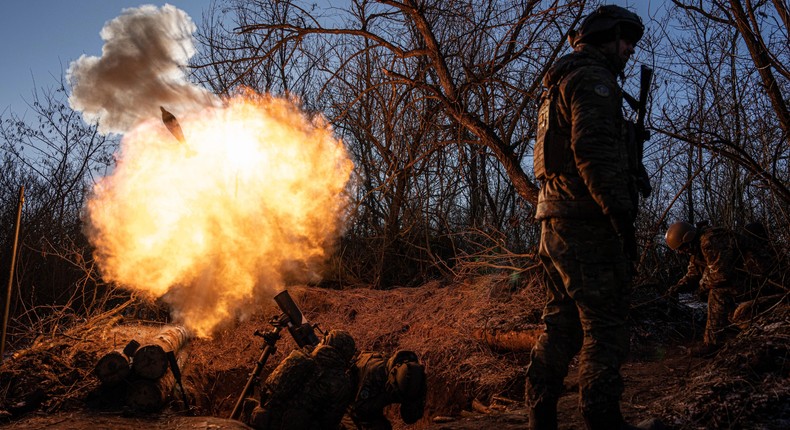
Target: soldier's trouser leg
{"type": "Point", "coordinates": [557, 345]}
{"type": "Point", "coordinates": [721, 304]}
{"type": "Point", "coordinates": [587, 257]}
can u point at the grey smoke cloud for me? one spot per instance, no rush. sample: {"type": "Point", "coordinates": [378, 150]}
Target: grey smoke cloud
{"type": "Point", "coordinates": [142, 67]}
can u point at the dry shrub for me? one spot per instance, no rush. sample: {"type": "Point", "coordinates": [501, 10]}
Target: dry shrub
{"type": "Point", "coordinates": [55, 371]}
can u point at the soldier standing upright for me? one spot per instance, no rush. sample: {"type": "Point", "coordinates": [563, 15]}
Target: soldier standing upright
{"type": "Point", "coordinates": [587, 206]}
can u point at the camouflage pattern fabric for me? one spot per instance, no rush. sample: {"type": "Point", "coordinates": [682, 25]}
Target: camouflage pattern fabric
{"type": "Point", "coordinates": [306, 392]}
{"type": "Point", "coordinates": [372, 396]}
{"type": "Point", "coordinates": [586, 270]}
{"type": "Point", "coordinates": [597, 178]}
{"type": "Point", "coordinates": [730, 267]}
{"type": "Point", "coordinates": [325, 400]}
{"type": "Point", "coordinates": [588, 281]}
{"type": "Point", "coordinates": [281, 388]}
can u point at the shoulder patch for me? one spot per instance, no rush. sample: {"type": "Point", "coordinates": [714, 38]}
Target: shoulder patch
{"type": "Point", "coordinates": [602, 90]}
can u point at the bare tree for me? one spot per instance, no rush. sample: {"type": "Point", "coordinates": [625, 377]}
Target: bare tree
{"type": "Point", "coordinates": [482, 62]}
{"type": "Point", "coordinates": [726, 89]}
{"type": "Point", "coordinates": [435, 100]}
{"type": "Point", "coordinates": [56, 156]}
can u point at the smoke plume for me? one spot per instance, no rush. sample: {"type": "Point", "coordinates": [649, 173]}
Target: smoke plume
{"type": "Point", "coordinates": [142, 67]}
{"type": "Point", "coordinates": [218, 220]}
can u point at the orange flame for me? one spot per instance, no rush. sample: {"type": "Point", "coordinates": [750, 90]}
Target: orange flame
{"type": "Point", "coordinates": [216, 225]}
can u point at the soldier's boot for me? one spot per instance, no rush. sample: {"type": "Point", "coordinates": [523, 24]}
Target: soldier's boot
{"type": "Point", "coordinates": [612, 419]}
{"type": "Point", "coordinates": [543, 416]}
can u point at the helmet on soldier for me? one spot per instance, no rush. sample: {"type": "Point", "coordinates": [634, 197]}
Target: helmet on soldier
{"type": "Point", "coordinates": [606, 24]}
{"type": "Point", "coordinates": [679, 234]}
{"type": "Point", "coordinates": [410, 378]}
{"type": "Point", "coordinates": [407, 378]}
{"type": "Point", "coordinates": [342, 341]}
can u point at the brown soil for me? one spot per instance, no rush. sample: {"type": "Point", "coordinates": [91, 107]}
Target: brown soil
{"type": "Point", "coordinates": [474, 382]}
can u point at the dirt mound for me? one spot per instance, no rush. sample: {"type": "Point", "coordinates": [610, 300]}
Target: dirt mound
{"type": "Point", "coordinates": [472, 336]}
{"type": "Point", "coordinates": [746, 384]}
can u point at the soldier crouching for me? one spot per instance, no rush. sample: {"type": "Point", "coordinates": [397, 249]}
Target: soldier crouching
{"type": "Point", "coordinates": [308, 390]}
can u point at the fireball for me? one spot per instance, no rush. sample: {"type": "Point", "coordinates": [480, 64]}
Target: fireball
{"type": "Point", "coordinates": [254, 195]}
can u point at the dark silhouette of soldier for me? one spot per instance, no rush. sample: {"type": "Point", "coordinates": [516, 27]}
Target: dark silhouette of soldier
{"type": "Point", "coordinates": [382, 381]}
{"type": "Point", "coordinates": [587, 205]}
{"type": "Point", "coordinates": [308, 390]}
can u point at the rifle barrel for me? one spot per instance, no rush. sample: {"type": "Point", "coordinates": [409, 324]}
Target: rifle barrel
{"type": "Point", "coordinates": [645, 80]}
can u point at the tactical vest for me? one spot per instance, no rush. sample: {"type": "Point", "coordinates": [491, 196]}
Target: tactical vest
{"type": "Point", "coordinates": [551, 145]}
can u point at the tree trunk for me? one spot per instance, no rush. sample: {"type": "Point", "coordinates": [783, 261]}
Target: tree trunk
{"type": "Point", "coordinates": [763, 65]}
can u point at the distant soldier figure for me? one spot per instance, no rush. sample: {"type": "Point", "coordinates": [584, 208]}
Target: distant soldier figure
{"type": "Point", "coordinates": [382, 381]}
{"type": "Point", "coordinates": [725, 267]}
{"type": "Point", "coordinates": [587, 205]}
{"type": "Point", "coordinates": [309, 390]}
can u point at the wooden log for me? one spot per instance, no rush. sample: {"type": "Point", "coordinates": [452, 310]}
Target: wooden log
{"type": "Point", "coordinates": [510, 340]}
{"type": "Point", "coordinates": [150, 360]}
{"type": "Point", "coordinates": [114, 366]}
{"type": "Point", "coordinates": [148, 395]}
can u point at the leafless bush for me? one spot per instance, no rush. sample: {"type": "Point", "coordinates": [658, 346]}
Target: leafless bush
{"type": "Point", "coordinates": [54, 155]}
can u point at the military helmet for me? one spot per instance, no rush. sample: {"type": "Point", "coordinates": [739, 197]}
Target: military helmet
{"type": "Point", "coordinates": [342, 341]}
{"type": "Point", "coordinates": [407, 377]}
{"type": "Point", "coordinates": [679, 234]}
{"type": "Point", "coordinates": [603, 24]}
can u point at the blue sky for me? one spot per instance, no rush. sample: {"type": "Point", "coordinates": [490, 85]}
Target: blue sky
{"type": "Point", "coordinates": [40, 38]}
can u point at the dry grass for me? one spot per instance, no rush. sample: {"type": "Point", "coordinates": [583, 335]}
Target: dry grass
{"type": "Point", "coordinates": [439, 321]}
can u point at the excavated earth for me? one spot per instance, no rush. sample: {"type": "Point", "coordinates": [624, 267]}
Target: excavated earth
{"type": "Point", "coordinates": [474, 337]}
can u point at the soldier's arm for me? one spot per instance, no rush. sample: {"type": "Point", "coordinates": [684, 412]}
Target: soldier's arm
{"type": "Point", "coordinates": [720, 257]}
{"type": "Point", "coordinates": [691, 279]}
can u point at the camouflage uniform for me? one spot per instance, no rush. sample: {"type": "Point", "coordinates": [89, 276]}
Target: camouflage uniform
{"type": "Point", "coordinates": [377, 387]}
{"type": "Point", "coordinates": [309, 391]}
{"type": "Point", "coordinates": [722, 265]}
{"type": "Point", "coordinates": [587, 272]}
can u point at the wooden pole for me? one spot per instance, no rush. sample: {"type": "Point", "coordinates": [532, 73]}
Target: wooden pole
{"type": "Point", "coordinates": [11, 274]}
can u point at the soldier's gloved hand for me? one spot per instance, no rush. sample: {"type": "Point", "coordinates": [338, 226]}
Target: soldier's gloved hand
{"type": "Point", "coordinates": [624, 227]}
{"type": "Point", "coordinates": [674, 291]}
